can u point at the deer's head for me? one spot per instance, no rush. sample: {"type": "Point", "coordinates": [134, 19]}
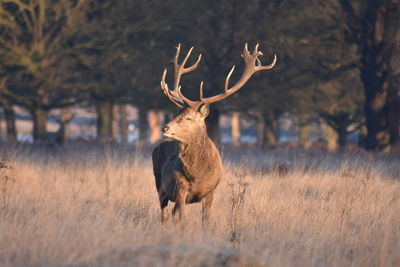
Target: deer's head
{"type": "Point", "coordinates": [188, 123]}
{"type": "Point", "coordinates": [190, 119]}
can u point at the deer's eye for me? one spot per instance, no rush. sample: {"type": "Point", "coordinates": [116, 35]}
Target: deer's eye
{"type": "Point", "coordinates": [189, 119]}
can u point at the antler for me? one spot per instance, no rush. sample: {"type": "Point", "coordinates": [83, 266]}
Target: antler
{"type": "Point", "coordinates": [175, 95]}
{"type": "Point", "coordinates": [252, 65]}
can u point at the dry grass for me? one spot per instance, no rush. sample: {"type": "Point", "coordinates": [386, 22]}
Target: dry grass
{"type": "Point", "coordinates": [82, 206]}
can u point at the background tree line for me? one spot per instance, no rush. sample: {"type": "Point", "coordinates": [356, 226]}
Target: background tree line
{"type": "Point", "coordinates": [338, 62]}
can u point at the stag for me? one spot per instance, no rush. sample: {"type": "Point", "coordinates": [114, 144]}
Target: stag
{"type": "Point", "coordinates": [187, 165]}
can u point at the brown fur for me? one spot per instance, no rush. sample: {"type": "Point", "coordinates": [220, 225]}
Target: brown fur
{"type": "Point", "coordinates": [187, 165]}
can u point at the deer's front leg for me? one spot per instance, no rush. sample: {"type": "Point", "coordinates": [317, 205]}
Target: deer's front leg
{"type": "Point", "coordinates": [181, 192]}
{"type": "Point", "coordinates": [206, 206]}
{"type": "Point", "coordinates": [179, 204]}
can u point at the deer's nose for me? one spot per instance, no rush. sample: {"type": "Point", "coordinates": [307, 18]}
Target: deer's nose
{"type": "Point", "coordinates": [165, 128]}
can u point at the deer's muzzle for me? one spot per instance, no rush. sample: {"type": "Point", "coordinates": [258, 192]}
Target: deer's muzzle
{"type": "Point", "coordinates": [165, 130]}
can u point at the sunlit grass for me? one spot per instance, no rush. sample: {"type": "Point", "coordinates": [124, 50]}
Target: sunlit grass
{"type": "Point", "coordinates": [100, 207]}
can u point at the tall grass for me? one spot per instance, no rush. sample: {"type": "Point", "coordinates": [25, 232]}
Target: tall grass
{"type": "Point", "coordinates": [89, 206]}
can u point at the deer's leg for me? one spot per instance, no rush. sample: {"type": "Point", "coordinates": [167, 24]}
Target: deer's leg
{"type": "Point", "coordinates": [163, 204]}
{"type": "Point", "coordinates": [180, 203]}
{"type": "Point", "coordinates": [206, 206]}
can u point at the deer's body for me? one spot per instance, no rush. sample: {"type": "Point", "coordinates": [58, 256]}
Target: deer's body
{"type": "Point", "coordinates": [187, 165]}
{"type": "Point", "coordinates": [179, 173]}
{"type": "Point", "coordinates": [179, 165]}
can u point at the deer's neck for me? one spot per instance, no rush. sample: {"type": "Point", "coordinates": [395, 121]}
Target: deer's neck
{"type": "Point", "coordinates": [194, 153]}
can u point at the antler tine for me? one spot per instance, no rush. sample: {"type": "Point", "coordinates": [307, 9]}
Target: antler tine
{"type": "Point", "coordinates": [256, 49]}
{"type": "Point", "coordinates": [182, 65]}
{"type": "Point", "coordinates": [246, 48]}
{"type": "Point", "coordinates": [164, 85]}
{"type": "Point", "coordinates": [178, 50]}
{"type": "Point", "coordinates": [201, 90]}
{"type": "Point", "coordinates": [268, 67]}
{"type": "Point", "coordinates": [227, 79]}
{"type": "Point", "coordinates": [193, 67]}
{"type": "Point", "coordinates": [256, 52]}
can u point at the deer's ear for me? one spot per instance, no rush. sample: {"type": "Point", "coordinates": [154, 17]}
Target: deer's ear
{"type": "Point", "coordinates": [204, 110]}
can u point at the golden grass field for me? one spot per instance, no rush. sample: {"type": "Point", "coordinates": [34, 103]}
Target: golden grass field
{"type": "Point", "coordinates": [82, 206]}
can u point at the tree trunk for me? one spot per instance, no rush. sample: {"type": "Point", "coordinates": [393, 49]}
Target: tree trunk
{"type": "Point", "coordinates": [212, 123]}
{"type": "Point", "coordinates": [269, 136]}
{"type": "Point", "coordinates": [342, 136]}
{"type": "Point", "coordinates": [394, 117]}
{"type": "Point", "coordinates": [154, 125]}
{"type": "Point", "coordinates": [2, 135]}
{"type": "Point", "coordinates": [11, 129]}
{"type": "Point", "coordinates": [123, 123]}
{"type": "Point", "coordinates": [260, 129]}
{"type": "Point", "coordinates": [362, 137]}
{"type": "Point", "coordinates": [143, 125]}
{"type": "Point", "coordinates": [304, 130]}
{"type": "Point", "coordinates": [39, 117]}
{"type": "Point", "coordinates": [376, 113]}
{"type": "Point", "coordinates": [304, 135]}
{"type": "Point", "coordinates": [64, 131]}
{"type": "Point", "coordinates": [104, 110]}
{"type": "Point", "coordinates": [266, 129]}
{"type": "Point", "coordinates": [395, 130]}
{"type": "Point", "coordinates": [270, 131]}
{"type": "Point", "coordinates": [114, 124]}
{"type": "Point", "coordinates": [331, 137]}
{"type": "Point", "coordinates": [235, 128]}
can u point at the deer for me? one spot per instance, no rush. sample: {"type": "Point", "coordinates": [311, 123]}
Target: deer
{"type": "Point", "coordinates": [187, 165]}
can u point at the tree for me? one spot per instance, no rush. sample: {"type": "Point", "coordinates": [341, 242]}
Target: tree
{"type": "Point", "coordinates": [269, 95]}
{"type": "Point", "coordinates": [35, 50]}
{"type": "Point", "coordinates": [394, 102]}
{"type": "Point", "coordinates": [218, 29]}
{"type": "Point", "coordinates": [9, 114]}
{"type": "Point", "coordinates": [340, 106]}
{"type": "Point", "coordinates": [338, 102]}
{"type": "Point", "coordinates": [361, 36]}
{"type": "Point", "coordinates": [102, 56]}
{"type": "Point", "coordinates": [124, 44]}
{"type": "Point", "coordinates": [373, 27]}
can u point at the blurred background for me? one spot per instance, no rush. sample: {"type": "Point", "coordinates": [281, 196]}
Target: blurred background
{"type": "Point", "coordinates": [89, 70]}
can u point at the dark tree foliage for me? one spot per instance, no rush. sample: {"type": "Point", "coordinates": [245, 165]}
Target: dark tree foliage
{"type": "Point", "coordinates": [35, 55]}
{"type": "Point", "coordinates": [106, 53]}
{"type": "Point", "coordinates": [369, 29]}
